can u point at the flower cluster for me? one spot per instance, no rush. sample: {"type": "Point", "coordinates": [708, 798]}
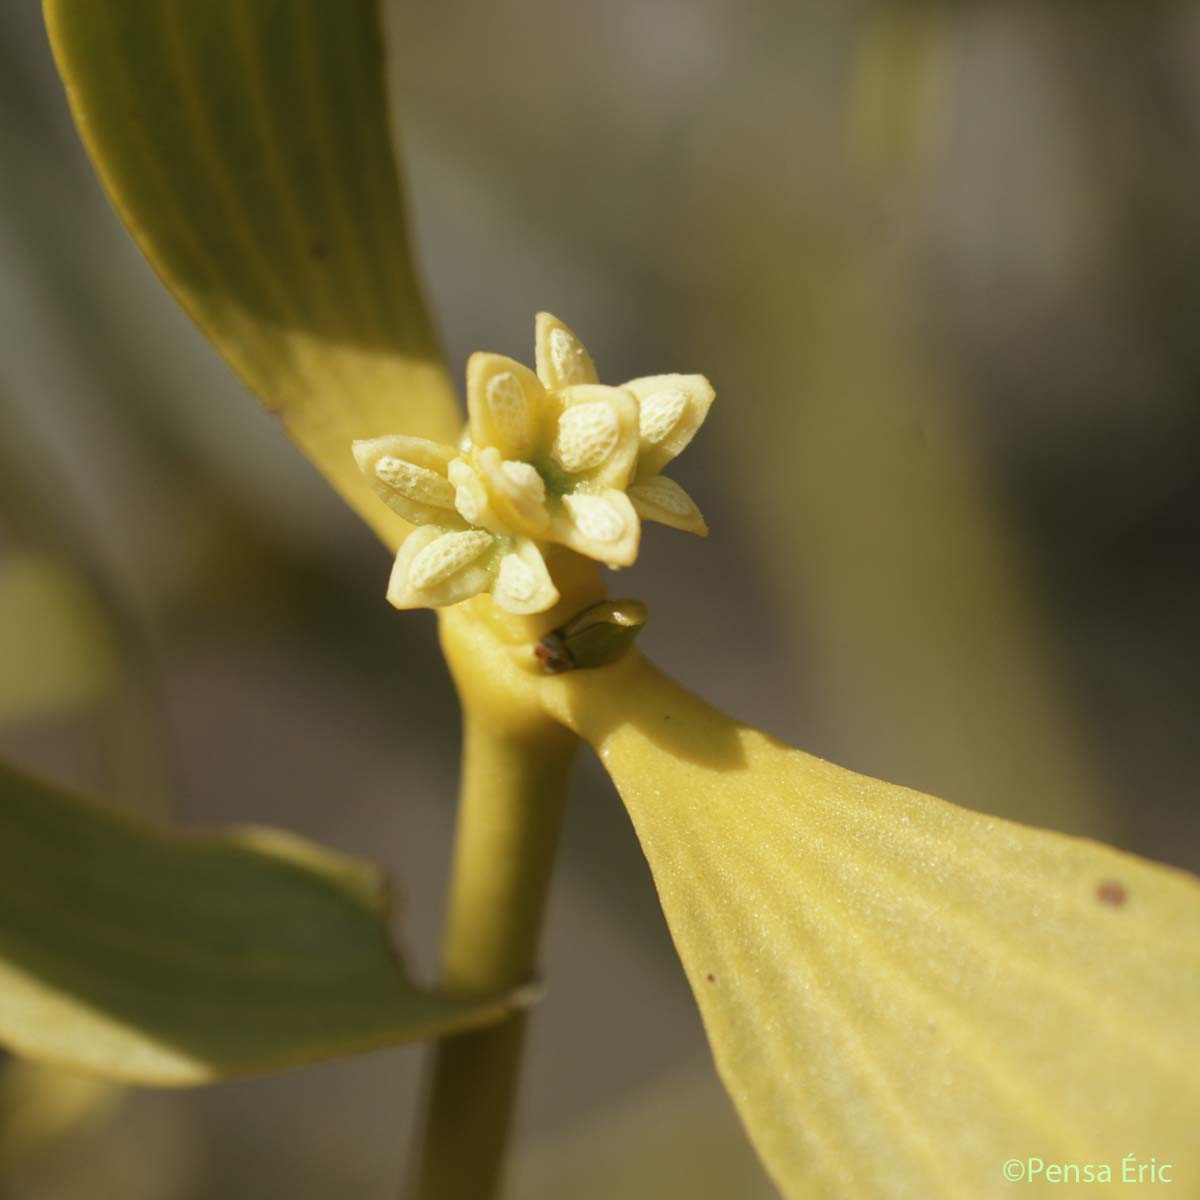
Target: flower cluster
{"type": "Point", "coordinates": [551, 457]}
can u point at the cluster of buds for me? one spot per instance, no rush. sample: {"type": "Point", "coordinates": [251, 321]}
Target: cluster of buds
{"type": "Point", "coordinates": [552, 458]}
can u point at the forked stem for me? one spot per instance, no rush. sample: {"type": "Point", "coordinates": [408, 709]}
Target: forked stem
{"type": "Point", "coordinates": [513, 796]}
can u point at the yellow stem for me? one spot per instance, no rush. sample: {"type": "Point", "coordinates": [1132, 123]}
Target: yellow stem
{"type": "Point", "coordinates": [513, 795]}
{"type": "Point", "coordinates": [515, 764]}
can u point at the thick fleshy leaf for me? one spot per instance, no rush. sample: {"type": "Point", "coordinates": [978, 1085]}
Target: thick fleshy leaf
{"type": "Point", "coordinates": [245, 145]}
{"type": "Point", "coordinates": [177, 958]}
{"type": "Point", "coordinates": [900, 994]}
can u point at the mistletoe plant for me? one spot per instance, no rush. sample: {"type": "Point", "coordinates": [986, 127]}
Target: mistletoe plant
{"type": "Point", "coordinates": [900, 995]}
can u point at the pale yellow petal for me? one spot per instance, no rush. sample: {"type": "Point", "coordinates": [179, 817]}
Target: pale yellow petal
{"type": "Point", "coordinates": [603, 526]}
{"type": "Point", "coordinates": [561, 358]}
{"type": "Point", "coordinates": [516, 494]}
{"type": "Point", "coordinates": [594, 435]}
{"type": "Point", "coordinates": [902, 995]}
{"type": "Point", "coordinates": [661, 499]}
{"type": "Point", "coordinates": [673, 408]}
{"type": "Point", "coordinates": [586, 435]}
{"type": "Point", "coordinates": [409, 475]}
{"type": "Point", "coordinates": [506, 404]}
{"type": "Point", "coordinates": [523, 583]}
{"type": "Point", "coordinates": [471, 498]}
{"type": "Point", "coordinates": [435, 567]}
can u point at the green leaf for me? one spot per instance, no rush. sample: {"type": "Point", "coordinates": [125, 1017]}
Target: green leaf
{"type": "Point", "coordinates": [245, 144]}
{"type": "Point", "coordinates": [900, 994]}
{"type": "Point", "coordinates": [176, 958]}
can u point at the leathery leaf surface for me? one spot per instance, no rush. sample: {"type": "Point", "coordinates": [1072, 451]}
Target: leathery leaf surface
{"type": "Point", "coordinates": [245, 144]}
{"type": "Point", "coordinates": [175, 958]}
{"type": "Point", "coordinates": [902, 995]}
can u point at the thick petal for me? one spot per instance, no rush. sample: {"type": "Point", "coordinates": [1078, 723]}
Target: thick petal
{"type": "Point", "coordinates": [506, 403]}
{"type": "Point", "coordinates": [516, 494]}
{"type": "Point", "coordinates": [471, 498]}
{"type": "Point", "coordinates": [663, 500]}
{"type": "Point", "coordinates": [523, 583]}
{"type": "Point", "coordinates": [673, 408]}
{"type": "Point", "coordinates": [602, 525]}
{"type": "Point", "coordinates": [594, 435]}
{"type": "Point", "coordinates": [562, 360]}
{"type": "Point", "coordinates": [435, 567]}
{"type": "Point", "coordinates": [409, 475]}
{"type": "Point", "coordinates": [901, 995]}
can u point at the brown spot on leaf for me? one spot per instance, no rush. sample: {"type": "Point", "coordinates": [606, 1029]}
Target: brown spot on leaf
{"type": "Point", "coordinates": [1112, 893]}
{"type": "Point", "coordinates": [711, 978]}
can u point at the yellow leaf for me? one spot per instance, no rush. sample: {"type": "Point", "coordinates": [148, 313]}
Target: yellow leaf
{"type": "Point", "coordinates": [902, 995]}
{"type": "Point", "coordinates": [176, 958]}
{"type": "Point", "coordinates": [245, 145]}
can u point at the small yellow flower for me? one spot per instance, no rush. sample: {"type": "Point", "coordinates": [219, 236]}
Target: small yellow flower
{"type": "Point", "coordinates": [551, 457]}
{"type": "Point", "coordinates": [671, 408]}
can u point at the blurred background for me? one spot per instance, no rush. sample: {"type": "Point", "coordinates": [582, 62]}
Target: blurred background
{"type": "Point", "coordinates": [942, 264]}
